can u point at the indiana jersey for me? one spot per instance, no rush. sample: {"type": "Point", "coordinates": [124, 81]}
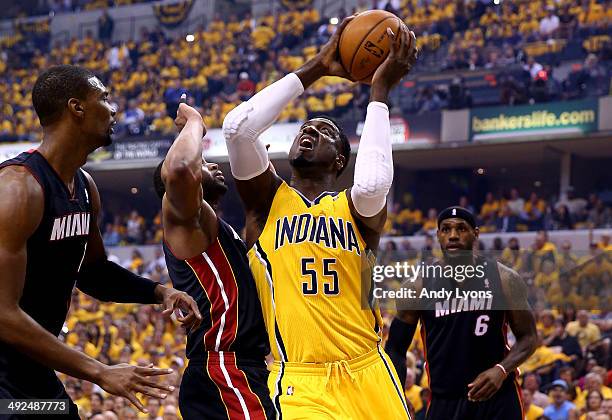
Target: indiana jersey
{"type": "Point", "coordinates": [311, 268]}
{"type": "Point", "coordinates": [464, 334]}
{"type": "Point", "coordinates": [55, 252]}
{"type": "Point", "coordinates": [220, 281]}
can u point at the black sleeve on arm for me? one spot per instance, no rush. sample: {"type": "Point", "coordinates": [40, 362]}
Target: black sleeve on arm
{"type": "Point", "coordinates": [400, 337]}
{"type": "Point", "coordinates": [109, 282]}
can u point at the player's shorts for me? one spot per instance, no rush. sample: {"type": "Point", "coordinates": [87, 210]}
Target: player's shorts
{"type": "Point", "coordinates": [218, 386]}
{"type": "Point", "coordinates": [505, 404]}
{"type": "Point", "coordinates": [40, 385]}
{"type": "Point", "coordinates": [366, 387]}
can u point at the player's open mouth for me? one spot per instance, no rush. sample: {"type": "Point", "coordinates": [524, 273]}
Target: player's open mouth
{"type": "Point", "coordinates": [453, 247]}
{"type": "Point", "coordinates": [306, 143]}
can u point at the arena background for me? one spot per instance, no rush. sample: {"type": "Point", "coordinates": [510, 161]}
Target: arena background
{"type": "Point", "coordinates": [508, 112]}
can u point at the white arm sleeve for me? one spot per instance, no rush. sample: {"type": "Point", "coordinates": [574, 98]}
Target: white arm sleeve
{"type": "Point", "coordinates": [243, 125]}
{"type": "Point", "coordinates": [374, 163]}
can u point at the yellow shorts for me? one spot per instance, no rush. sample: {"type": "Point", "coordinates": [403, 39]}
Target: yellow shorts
{"type": "Point", "coordinates": [366, 387]}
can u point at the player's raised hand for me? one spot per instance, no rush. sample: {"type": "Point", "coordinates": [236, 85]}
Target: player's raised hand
{"type": "Point", "coordinates": [185, 113]}
{"type": "Point", "coordinates": [400, 60]}
{"type": "Point", "coordinates": [486, 384]}
{"type": "Point", "coordinates": [126, 381]}
{"type": "Point", "coordinates": [329, 56]}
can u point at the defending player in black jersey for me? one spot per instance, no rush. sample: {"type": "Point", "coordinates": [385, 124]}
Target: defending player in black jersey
{"type": "Point", "coordinates": [49, 239]}
{"type": "Point", "coordinates": [226, 377]}
{"type": "Point", "coordinates": [472, 371]}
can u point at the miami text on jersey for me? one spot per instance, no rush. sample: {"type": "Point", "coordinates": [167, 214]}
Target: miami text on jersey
{"type": "Point", "coordinates": [70, 225]}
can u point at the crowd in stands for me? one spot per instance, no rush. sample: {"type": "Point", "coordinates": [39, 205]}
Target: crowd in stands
{"type": "Point", "coordinates": [495, 214]}
{"type": "Point", "coordinates": [509, 213]}
{"type": "Point", "coordinates": [46, 7]}
{"type": "Point", "coordinates": [230, 59]}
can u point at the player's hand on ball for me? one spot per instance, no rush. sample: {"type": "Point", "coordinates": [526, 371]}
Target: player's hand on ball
{"type": "Point", "coordinates": [329, 57]}
{"type": "Point", "coordinates": [486, 384]}
{"type": "Point", "coordinates": [181, 303]}
{"type": "Point", "coordinates": [400, 61]}
{"type": "Point", "coordinates": [126, 381]}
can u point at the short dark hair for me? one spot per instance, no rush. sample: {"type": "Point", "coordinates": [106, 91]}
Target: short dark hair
{"type": "Point", "coordinates": [345, 145]}
{"type": "Point", "coordinates": [55, 87]}
{"type": "Point", "coordinates": [158, 182]}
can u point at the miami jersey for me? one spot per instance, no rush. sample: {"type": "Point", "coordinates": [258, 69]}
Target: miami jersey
{"type": "Point", "coordinates": [312, 271]}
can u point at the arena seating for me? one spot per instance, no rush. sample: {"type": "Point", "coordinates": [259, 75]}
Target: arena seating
{"type": "Point", "coordinates": [492, 66]}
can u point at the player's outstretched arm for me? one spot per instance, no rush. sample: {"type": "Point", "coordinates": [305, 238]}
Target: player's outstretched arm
{"type": "Point", "coordinates": [19, 219]}
{"type": "Point", "coordinates": [256, 180]}
{"type": "Point", "coordinates": [374, 163]}
{"type": "Point", "coordinates": [107, 281]}
{"type": "Point", "coordinates": [185, 213]}
{"type": "Point", "coordinates": [522, 323]}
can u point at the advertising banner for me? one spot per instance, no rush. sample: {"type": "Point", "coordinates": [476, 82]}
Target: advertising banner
{"type": "Point", "coordinates": [557, 119]}
{"type": "Point", "coordinates": [413, 130]}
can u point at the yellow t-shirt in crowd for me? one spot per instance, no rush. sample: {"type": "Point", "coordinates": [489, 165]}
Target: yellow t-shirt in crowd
{"type": "Point", "coordinates": [585, 335]}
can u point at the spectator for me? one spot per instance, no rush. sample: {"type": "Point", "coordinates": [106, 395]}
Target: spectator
{"type": "Point", "coordinates": [600, 216]}
{"type": "Point", "coordinates": [106, 25]}
{"type": "Point", "coordinates": [245, 87]}
{"type": "Point", "coordinates": [568, 374]}
{"type": "Point", "coordinates": [135, 227]}
{"type": "Point", "coordinates": [567, 259]}
{"type": "Point", "coordinates": [413, 391]}
{"type": "Point", "coordinates": [531, 382]}
{"type": "Point", "coordinates": [392, 6]}
{"type": "Point", "coordinates": [533, 67]}
{"type": "Point", "coordinates": [532, 411]}
{"type": "Point", "coordinates": [593, 383]}
{"type": "Point", "coordinates": [550, 23]}
{"type": "Point", "coordinates": [428, 100]}
{"type": "Point", "coordinates": [575, 205]}
{"type": "Point", "coordinates": [172, 97]}
{"type": "Point", "coordinates": [508, 56]}
{"type": "Point", "coordinates": [585, 331]}
{"type": "Point", "coordinates": [458, 95]}
{"type": "Point", "coordinates": [507, 220]}
{"type": "Point", "coordinates": [111, 236]}
{"type": "Point", "coordinates": [567, 22]}
{"type": "Point", "coordinates": [533, 212]}
{"type": "Point", "coordinates": [475, 60]}
{"type": "Point", "coordinates": [560, 409]}
{"type": "Point", "coordinates": [489, 208]}
{"type": "Point", "coordinates": [463, 202]}
{"type": "Point", "coordinates": [594, 399]}
{"type": "Point", "coordinates": [562, 218]}
{"type": "Point", "coordinates": [431, 222]}
{"type": "Point", "coordinates": [515, 203]}
{"type": "Point", "coordinates": [564, 342]}
{"type": "Point", "coordinates": [133, 118]}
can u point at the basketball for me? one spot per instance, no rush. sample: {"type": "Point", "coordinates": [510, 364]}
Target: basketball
{"type": "Point", "coordinates": [364, 43]}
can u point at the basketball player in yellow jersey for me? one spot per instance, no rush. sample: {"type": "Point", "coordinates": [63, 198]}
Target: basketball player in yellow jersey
{"type": "Point", "coordinates": [308, 246]}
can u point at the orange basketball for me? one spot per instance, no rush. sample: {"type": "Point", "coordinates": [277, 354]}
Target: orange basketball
{"type": "Point", "coordinates": [364, 43]}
